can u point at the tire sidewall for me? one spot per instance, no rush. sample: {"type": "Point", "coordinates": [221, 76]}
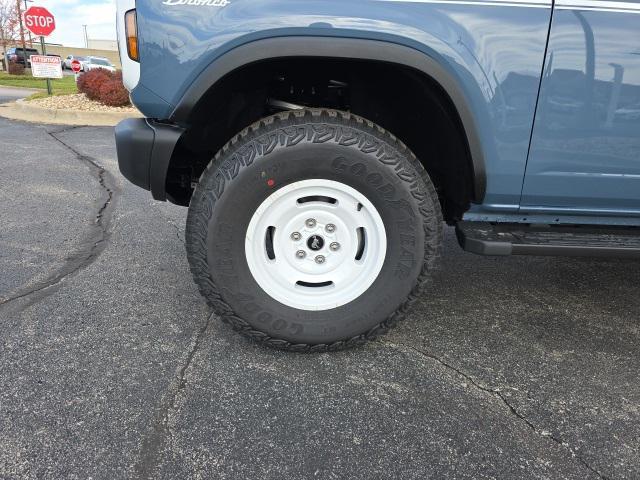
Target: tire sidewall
{"type": "Point", "coordinates": [234, 189]}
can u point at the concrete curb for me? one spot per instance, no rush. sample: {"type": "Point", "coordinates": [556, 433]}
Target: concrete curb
{"type": "Point", "coordinates": [22, 110]}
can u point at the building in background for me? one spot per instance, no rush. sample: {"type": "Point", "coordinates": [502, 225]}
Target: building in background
{"type": "Point", "coordinates": [101, 44]}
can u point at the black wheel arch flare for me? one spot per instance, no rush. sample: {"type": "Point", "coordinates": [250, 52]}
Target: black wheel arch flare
{"type": "Point", "coordinates": [332, 47]}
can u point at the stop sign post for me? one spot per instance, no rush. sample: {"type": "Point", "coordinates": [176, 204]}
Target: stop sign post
{"type": "Point", "coordinates": [41, 23]}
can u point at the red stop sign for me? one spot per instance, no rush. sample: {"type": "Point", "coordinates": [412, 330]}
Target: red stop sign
{"type": "Point", "coordinates": [39, 21]}
{"type": "Point", "coordinates": [76, 66]}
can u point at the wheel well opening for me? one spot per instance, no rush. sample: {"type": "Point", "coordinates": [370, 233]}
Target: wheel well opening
{"type": "Point", "coordinates": [404, 101]}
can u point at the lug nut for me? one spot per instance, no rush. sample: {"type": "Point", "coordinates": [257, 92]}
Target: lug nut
{"type": "Point", "coordinates": [335, 246]}
{"type": "Point", "coordinates": [311, 223]}
{"type": "Point", "coordinates": [296, 236]}
{"type": "Point", "coordinates": [320, 259]}
{"type": "Point", "coordinates": [301, 254]}
{"type": "Point", "coordinates": [330, 228]}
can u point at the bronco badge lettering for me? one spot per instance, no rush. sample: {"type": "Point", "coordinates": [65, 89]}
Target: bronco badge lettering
{"type": "Point", "coordinates": [199, 3]}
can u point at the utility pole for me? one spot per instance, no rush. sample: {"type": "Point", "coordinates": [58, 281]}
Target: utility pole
{"type": "Point", "coordinates": [24, 45]}
{"type": "Point", "coordinates": [30, 38]}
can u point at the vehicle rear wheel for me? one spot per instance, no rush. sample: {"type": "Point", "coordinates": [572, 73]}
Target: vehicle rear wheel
{"type": "Point", "coordinates": [313, 230]}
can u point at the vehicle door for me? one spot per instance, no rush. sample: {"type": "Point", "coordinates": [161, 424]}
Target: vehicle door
{"type": "Point", "coordinates": [585, 151]}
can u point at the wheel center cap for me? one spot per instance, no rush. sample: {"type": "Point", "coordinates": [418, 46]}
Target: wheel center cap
{"type": "Point", "coordinates": [315, 242]}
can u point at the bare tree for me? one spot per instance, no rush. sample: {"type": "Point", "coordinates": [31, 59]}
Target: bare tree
{"type": "Point", "coordinates": [9, 24]}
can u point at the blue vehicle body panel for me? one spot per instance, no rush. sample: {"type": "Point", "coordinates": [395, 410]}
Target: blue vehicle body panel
{"type": "Point", "coordinates": [554, 91]}
{"type": "Point", "coordinates": [494, 49]}
{"type": "Point", "coordinates": [585, 151]}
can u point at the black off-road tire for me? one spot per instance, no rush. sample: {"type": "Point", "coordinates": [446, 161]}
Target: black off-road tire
{"type": "Point", "coordinates": [345, 148]}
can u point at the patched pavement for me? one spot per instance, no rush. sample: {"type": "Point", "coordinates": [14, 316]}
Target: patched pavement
{"type": "Point", "coordinates": [112, 366]}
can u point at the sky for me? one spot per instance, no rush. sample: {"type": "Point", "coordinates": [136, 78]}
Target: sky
{"type": "Point", "coordinates": [70, 15]}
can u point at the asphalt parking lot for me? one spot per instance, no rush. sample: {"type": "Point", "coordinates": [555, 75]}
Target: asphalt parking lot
{"type": "Point", "coordinates": [112, 366]}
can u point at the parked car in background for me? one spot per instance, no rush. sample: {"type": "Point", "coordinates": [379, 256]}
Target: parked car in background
{"type": "Point", "coordinates": [91, 63]}
{"type": "Point", "coordinates": [66, 64]}
{"type": "Point", "coordinates": [17, 55]}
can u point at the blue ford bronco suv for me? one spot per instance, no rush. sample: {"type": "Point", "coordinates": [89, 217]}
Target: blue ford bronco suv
{"type": "Point", "coordinates": [321, 145]}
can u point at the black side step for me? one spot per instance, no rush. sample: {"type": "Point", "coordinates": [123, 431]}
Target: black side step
{"type": "Point", "coordinates": [555, 240]}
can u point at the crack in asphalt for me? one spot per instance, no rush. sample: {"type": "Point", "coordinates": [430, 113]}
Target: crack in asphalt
{"type": "Point", "coordinates": [496, 393]}
{"type": "Point", "coordinates": [178, 230]}
{"type": "Point", "coordinates": [92, 245]}
{"type": "Point", "coordinates": [161, 430]}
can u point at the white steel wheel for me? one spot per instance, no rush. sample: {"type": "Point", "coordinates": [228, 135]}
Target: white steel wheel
{"type": "Point", "coordinates": [313, 231]}
{"type": "Point", "coordinates": [316, 244]}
